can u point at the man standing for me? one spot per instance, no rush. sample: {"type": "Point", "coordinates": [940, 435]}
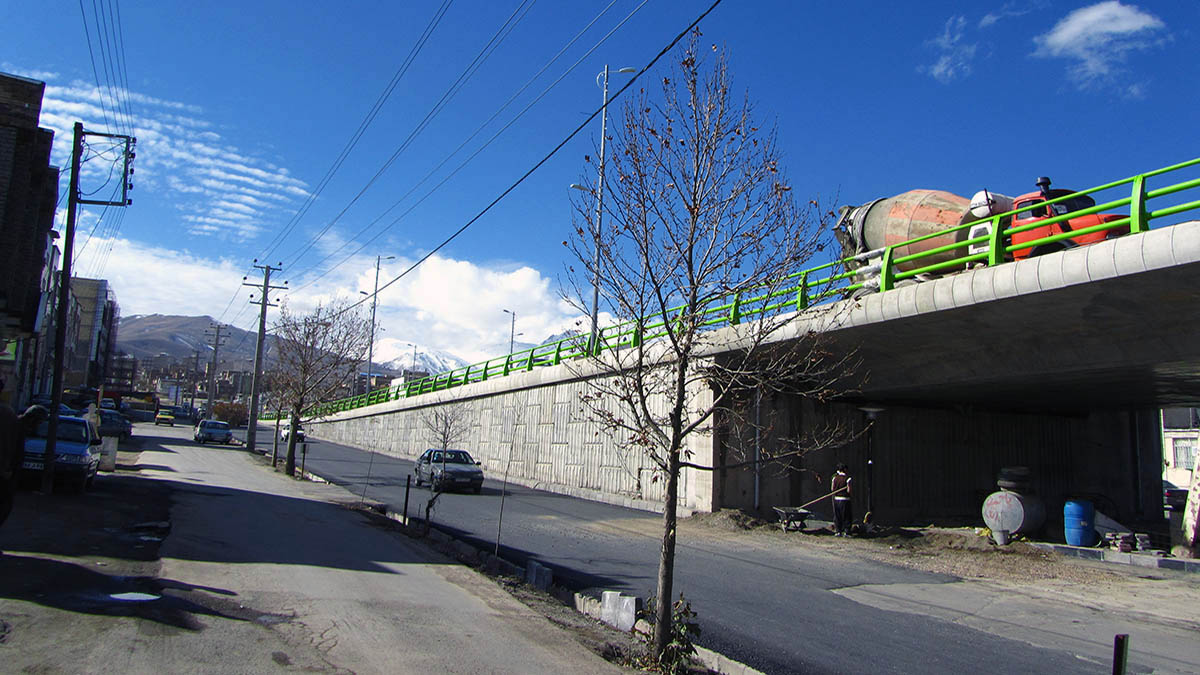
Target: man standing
{"type": "Point", "coordinates": [843, 513]}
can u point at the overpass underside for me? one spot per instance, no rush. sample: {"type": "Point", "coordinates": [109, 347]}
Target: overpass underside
{"type": "Point", "coordinates": [1058, 363]}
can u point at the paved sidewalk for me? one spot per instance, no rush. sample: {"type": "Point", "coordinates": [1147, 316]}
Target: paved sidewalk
{"type": "Point", "coordinates": [260, 573]}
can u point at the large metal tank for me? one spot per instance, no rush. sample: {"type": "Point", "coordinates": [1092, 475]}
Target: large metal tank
{"type": "Point", "coordinates": [916, 213]}
{"type": "Point", "coordinates": [1013, 512]}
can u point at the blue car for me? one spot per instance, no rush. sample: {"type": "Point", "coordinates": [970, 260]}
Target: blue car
{"type": "Point", "coordinates": [76, 452]}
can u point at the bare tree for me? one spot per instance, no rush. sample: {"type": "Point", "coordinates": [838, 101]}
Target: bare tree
{"type": "Point", "coordinates": [448, 425]}
{"type": "Point", "coordinates": [317, 354]}
{"type": "Point", "coordinates": [700, 225]}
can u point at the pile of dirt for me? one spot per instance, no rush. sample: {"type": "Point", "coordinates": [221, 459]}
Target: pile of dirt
{"type": "Point", "coordinates": [729, 520]}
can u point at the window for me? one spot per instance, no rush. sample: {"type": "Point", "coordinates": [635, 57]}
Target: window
{"type": "Point", "coordinates": [1034, 212]}
{"type": "Point", "coordinates": [1185, 452]}
{"type": "Point", "coordinates": [1181, 418]}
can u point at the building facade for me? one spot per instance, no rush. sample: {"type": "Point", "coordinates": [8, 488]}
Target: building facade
{"type": "Point", "coordinates": [28, 197]}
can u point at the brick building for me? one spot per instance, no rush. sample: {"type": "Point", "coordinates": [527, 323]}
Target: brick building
{"type": "Point", "coordinates": [28, 196]}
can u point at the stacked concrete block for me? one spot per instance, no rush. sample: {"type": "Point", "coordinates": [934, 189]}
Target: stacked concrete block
{"type": "Point", "coordinates": [538, 575]}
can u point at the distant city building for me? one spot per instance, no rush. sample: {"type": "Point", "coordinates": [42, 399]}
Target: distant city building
{"type": "Point", "coordinates": [122, 374]}
{"type": "Point", "coordinates": [97, 338]}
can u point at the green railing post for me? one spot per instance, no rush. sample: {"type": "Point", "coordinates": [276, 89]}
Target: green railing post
{"type": "Point", "coordinates": [1138, 222]}
{"type": "Point", "coordinates": [735, 312]}
{"type": "Point", "coordinates": [636, 340]}
{"type": "Point", "coordinates": [996, 243]}
{"type": "Point", "coordinates": [558, 353]}
{"type": "Point", "coordinates": [802, 292]}
{"type": "Point", "coordinates": [887, 276]}
{"type": "Point", "coordinates": [507, 363]}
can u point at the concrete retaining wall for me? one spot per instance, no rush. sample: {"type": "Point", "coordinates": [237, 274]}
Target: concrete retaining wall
{"type": "Point", "coordinates": [531, 425]}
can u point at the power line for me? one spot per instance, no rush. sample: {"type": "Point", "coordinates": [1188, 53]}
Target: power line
{"type": "Point", "coordinates": [542, 161]}
{"type": "Point", "coordinates": [352, 142]}
{"type": "Point", "coordinates": [487, 50]}
{"type": "Point", "coordinates": [362, 127]}
{"type": "Point", "coordinates": [473, 155]}
{"type": "Point", "coordinates": [95, 73]}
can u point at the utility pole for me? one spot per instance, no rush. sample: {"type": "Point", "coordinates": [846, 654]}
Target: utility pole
{"type": "Point", "coordinates": [264, 302]}
{"type": "Point", "coordinates": [212, 369]}
{"type": "Point", "coordinates": [74, 199]}
{"type": "Point", "coordinates": [374, 301]}
{"type": "Point", "coordinates": [195, 378]}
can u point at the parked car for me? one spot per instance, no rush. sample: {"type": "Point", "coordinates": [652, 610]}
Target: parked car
{"type": "Point", "coordinates": [447, 470]}
{"type": "Point", "coordinates": [213, 431]}
{"type": "Point", "coordinates": [287, 429]}
{"type": "Point", "coordinates": [76, 451]}
{"type": "Point", "coordinates": [1174, 497]}
{"type": "Point", "coordinates": [164, 416]}
{"type": "Point", "coordinates": [63, 408]}
{"type": "Point", "coordinates": [113, 423]}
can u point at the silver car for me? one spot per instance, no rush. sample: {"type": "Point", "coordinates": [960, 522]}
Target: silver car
{"type": "Point", "coordinates": [447, 470]}
{"type": "Point", "coordinates": [213, 431]}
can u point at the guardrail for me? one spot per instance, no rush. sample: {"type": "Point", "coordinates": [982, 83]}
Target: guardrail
{"type": "Point", "coordinates": [833, 280]}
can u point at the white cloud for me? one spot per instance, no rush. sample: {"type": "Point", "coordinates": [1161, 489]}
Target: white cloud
{"type": "Point", "coordinates": [956, 55]}
{"type": "Point", "coordinates": [219, 189]}
{"type": "Point", "coordinates": [1007, 11]}
{"type": "Point", "coordinates": [1097, 40]}
{"type": "Point", "coordinates": [446, 304]}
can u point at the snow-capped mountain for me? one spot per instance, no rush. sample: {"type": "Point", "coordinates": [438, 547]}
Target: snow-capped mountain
{"type": "Point", "coordinates": [428, 360]}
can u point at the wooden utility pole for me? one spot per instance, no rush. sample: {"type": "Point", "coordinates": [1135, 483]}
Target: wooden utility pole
{"type": "Point", "coordinates": [74, 199]}
{"type": "Point", "coordinates": [263, 302]}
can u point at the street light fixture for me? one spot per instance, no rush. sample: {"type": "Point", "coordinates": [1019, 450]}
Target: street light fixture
{"type": "Point", "coordinates": [513, 330]}
{"type": "Point", "coordinates": [374, 302]}
{"type": "Point", "coordinates": [594, 339]}
{"type": "Point", "coordinates": [512, 335]}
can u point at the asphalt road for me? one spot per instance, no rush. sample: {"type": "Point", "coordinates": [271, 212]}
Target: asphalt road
{"type": "Point", "coordinates": [771, 608]}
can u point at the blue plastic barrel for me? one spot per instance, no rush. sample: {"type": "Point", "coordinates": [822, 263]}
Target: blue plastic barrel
{"type": "Point", "coordinates": [1079, 521]}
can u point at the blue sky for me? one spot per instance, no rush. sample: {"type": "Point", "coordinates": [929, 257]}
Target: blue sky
{"type": "Point", "coordinates": [241, 108]}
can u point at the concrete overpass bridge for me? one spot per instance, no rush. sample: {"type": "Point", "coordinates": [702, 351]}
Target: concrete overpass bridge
{"type": "Point", "coordinates": [1056, 362]}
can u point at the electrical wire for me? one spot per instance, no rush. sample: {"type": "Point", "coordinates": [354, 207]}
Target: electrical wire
{"type": "Point", "coordinates": [487, 50]}
{"type": "Point", "coordinates": [633, 80]}
{"type": "Point", "coordinates": [402, 70]}
{"type": "Point", "coordinates": [473, 155]}
{"type": "Point", "coordinates": [362, 127]}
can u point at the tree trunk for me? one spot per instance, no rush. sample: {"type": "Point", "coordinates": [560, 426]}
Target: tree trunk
{"type": "Point", "coordinates": [666, 560]}
{"type": "Point", "coordinates": [290, 465]}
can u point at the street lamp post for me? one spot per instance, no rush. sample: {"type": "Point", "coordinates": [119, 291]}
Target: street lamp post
{"type": "Point", "coordinates": [594, 339]}
{"type": "Point", "coordinates": [512, 333]}
{"type": "Point", "coordinates": [374, 302]}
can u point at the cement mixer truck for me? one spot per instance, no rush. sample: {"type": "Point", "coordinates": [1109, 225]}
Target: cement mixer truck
{"type": "Point", "coordinates": [864, 231]}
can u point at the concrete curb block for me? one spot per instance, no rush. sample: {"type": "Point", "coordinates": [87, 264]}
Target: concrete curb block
{"type": "Point", "coordinates": [1116, 557]}
{"type": "Point", "coordinates": [614, 609]}
{"type": "Point", "coordinates": [723, 664]}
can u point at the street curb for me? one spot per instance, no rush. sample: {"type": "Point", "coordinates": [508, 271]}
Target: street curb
{"type": "Point", "coordinates": [1110, 556]}
{"type": "Point", "coordinates": [539, 576]}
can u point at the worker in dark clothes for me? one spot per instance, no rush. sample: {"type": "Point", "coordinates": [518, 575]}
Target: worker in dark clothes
{"type": "Point", "coordinates": [843, 513]}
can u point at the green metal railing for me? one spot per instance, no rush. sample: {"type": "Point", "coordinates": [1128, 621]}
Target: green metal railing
{"type": "Point", "coordinates": [819, 284]}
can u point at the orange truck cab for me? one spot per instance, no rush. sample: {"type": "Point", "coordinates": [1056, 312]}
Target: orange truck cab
{"type": "Point", "coordinates": [1032, 207]}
